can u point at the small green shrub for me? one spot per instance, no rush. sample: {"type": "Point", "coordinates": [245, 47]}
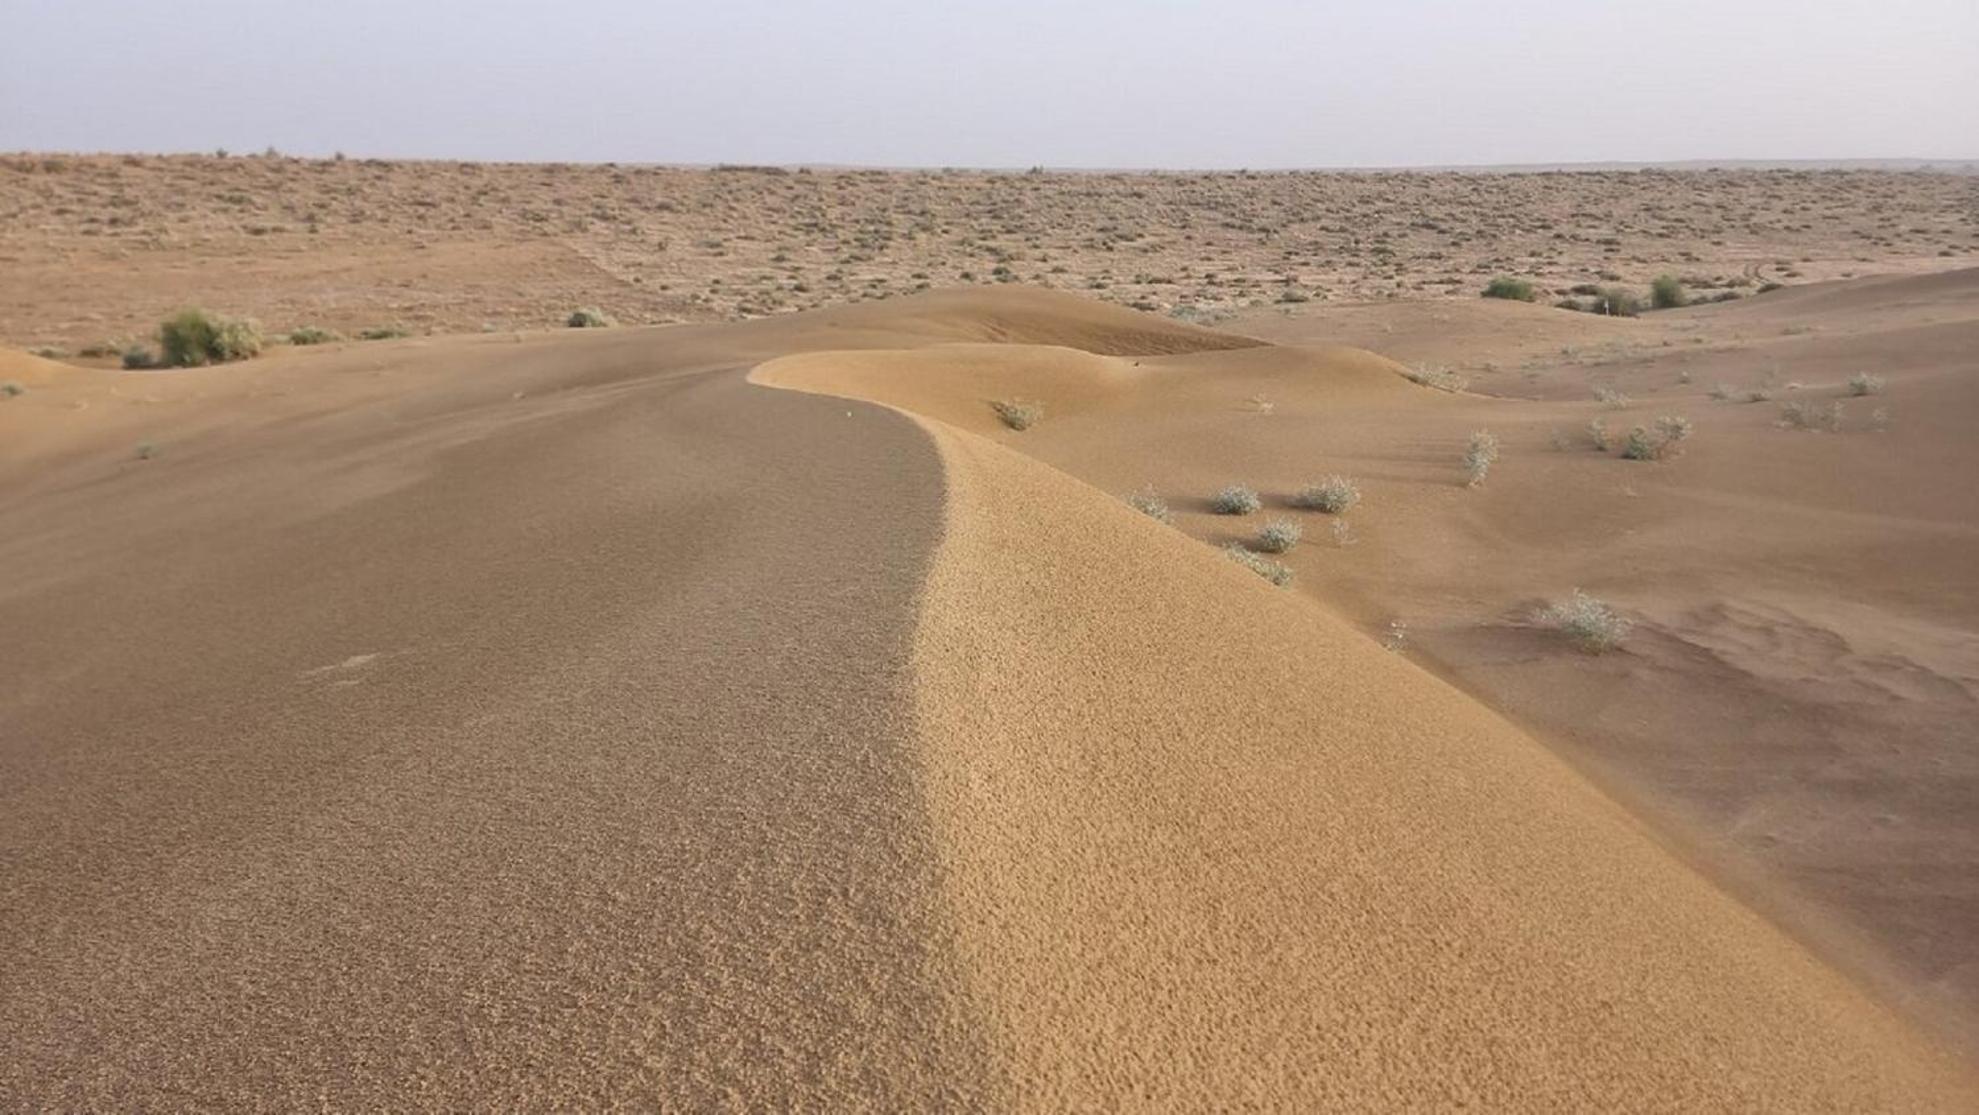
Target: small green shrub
{"type": "Point", "coordinates": [1333, 495]}
{"type": "Point", "coordinates": [383, 333]}
{"type": "Point", "coordinates": [194, 338]}
{"type": "Point", "coordinates": [1278, 536]}
{"type": "Point", "coordinates": [588, 317]}
{"type": "Point", "coordinates": [1612, 398]}
{"type": "Point", "coordinates": [1517, 290]}
{"type": "Point", "coordinates": [1592, 624]}
{"type": "Point", "coordinates": [1479, 456]}
{"type": "Point", "coordinates": [1667, 293]}
{"type": "Point", "coordinates": [1653, 444]}
{"type": "Point", "coordinates": [1017, 413]}
{"type": "Point", "coordinates": [1275, 572]}
{"type": "Point", "coordinates": [1863, 383]}
{"type": "Point", "coordinates": [1235, 500]}
{"type": "Point", "coordinates": [11, 389]}
{"type": "Point", "coordinates": [137, 356]}
{"type": "Point", "coordinates": [311, 335]}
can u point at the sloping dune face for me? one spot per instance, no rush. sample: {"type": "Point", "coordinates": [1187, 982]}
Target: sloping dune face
{"type": "Point", "coordinates": [567, 722]}
{"type": "Point", "coordinates": [1207, 843]}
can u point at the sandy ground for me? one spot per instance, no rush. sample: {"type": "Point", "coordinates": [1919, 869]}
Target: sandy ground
{"type": "Point", "coordinates": [95, 250]}
{"type": "Point", "coordinates": [562, 720]}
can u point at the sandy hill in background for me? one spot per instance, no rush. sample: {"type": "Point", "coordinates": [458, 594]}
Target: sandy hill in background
{"type": "Point", "coordinates": [562, 718]}
{"type": "Point", "coordinates": [94, 250]}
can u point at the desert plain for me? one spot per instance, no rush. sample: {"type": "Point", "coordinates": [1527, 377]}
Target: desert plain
{"type": "Point", "coordinates": [831, 683]}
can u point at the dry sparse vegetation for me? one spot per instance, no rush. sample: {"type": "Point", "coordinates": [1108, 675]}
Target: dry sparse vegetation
{"type": "Point", "coordinates": [1278, 536]}
{"type": "Point", "coordinates": [1148, 503]}
{"type": "Point", "coordinates": [1593, 625]}
{"type": "Point", "coordinates": [1277, 573]}
{"type": "Point", "coordinates": [1333, 495]}
{"type": "Point", "coordinates": [1235, 500]}
{"type": "Point", "coordinates": [1018, 414]}
{"type": "Point", "coordinates": [1479, 455]}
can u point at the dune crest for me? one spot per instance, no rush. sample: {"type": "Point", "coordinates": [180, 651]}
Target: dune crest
{"type": "Point", "coordinates": [1207, 843]}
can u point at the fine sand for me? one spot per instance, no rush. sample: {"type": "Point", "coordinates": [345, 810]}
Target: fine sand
{"type": "Point", "coordinates": [525, 720]}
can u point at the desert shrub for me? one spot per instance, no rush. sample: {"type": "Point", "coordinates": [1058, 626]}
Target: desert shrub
{"type": "Point", "coordinates": [1617, 302]}
{"type": "Point", "coordinates": [1724, 392]}
{"type": "Point", "coordinates": [146, 450]}
{"type": "Point", "coordinates": [1153, 506]}
{"type": "Point", "coordinates": [311, 335]}
{"type": "Point", "coordinates": [1612, 398]}
{"type": "Point", "coordinates": [1479, 456]}
{"type": "Point", "coordinates": [383, 333]}
{"type": "Point", "coordinates": [1667, 293]}
{"type": "Point", "coordinates": [1597, 432]}
{"type": "Point", "coordinates": [1017, 413]}
{"type": "Point", "coordinates": [1646, 443]}
{"type": "Point", "coordinates": [1235, 500]}
{"type": "Point", "coordinates": [1278, 536]}
{"type": "Point", "coordinates": [587, 317]}
{"type": "Point", "coordinates": [10, 389]}
{"type": "Point", "coordinates": [1517, 290]}
{"type": "Point", "coordinates": [1805, 415]}
{"type": "Point", "coordinates": [1333, 495]}
{"type": "Point", "coordinates": [1862, 383]}
{"type": "Point", "coordinates": [137, 356]}
{"type": "Point", "coordinates": [1442, 379]}
{"type": "Point", "coordinates": [1275, 572]}
{"type": "Point", "coordinates": [195, 337]}
{"type": "Point", "coordinates": [1593, 625]}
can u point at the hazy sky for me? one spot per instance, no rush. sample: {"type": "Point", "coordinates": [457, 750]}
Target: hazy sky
{"type": "Point", "coordinates": [1129, 83]}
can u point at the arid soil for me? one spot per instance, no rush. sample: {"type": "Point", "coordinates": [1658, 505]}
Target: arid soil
{"type": "Point", "coordinates": [645, 717]}
{"type": "Point", "coordinates": [95, 250]}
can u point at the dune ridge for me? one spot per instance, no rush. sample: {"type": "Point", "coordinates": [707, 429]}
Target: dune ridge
{"type": "Point", "coordinates": [1207, 843]}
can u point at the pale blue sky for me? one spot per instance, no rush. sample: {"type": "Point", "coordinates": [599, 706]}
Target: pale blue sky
{"type": "Point", "coordinates": [1126, 83]}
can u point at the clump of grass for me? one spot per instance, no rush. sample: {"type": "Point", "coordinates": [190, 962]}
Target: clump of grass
{"type": "Point", "coordinates": [1879, 419]}
{"type": "Point", "coordinates": [588, 317]}
{"type": "Point", "coordinates": [1276, 572]}
{"type": "Point", "coordinates": [1278, 536]}
{"type": "Point", "coordinates": [1667, 293]}
{"type": "Point", "coordinates": [1442, 379]}
{"type": "Point", "coordinates": [1863, 383]}
{"type": "Point", "coordinates": [1150, 504]}
{"type": "Point", "coordinates": [1592, 624]}
{"type": "Point", "coordinates": [1617, 302]}
{"type": "Point", "coordinates": [1017, 413]}
{"type": "Point", "coordinates": [383, 333]}
{"type": "Point", "coordinates": [1647, 444]}
{"type": "Point", "coordinates": [11, 389]}
{"type": "Point", "coordinates": [138, 356]}
{"type": "Point", "coordinates": [1479, 456]}
{"type": "Point", "coordinates": [1235, 500]}
{"type": "Point", "coordinates": [1806, 415]}
{"type": "Point", "coordinates": [194, 337]}
{"type": "Point", "coordinates": [1517, 290]}
{"type": "Point", "coordinates": [1333, 495]}
{"type": "Point", "coordinates": [1261, 404]}
{"type": "Point", "coordinates": [1611, 398]}
{"type": "Point", "coordinates": [311, 335]}
{"type": "Point", "coordinates": [1597, 432]}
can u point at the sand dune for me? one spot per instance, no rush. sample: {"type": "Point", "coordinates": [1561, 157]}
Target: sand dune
{"type": "Point", "coordinates": [532, 721]}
